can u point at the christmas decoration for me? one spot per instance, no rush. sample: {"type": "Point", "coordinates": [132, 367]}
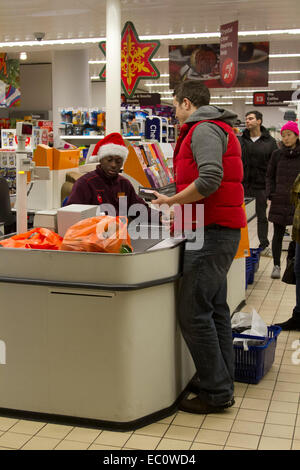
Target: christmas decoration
{"type": "Point", "coordinates": [136, 63]}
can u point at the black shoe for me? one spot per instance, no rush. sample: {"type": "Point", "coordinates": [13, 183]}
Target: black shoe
{"type": "Point", "coordinates": [292, 324]}
{"type": "Point", "coordinates": [194, 386]}
{"type": "Point", "coordinates": [197, 406]}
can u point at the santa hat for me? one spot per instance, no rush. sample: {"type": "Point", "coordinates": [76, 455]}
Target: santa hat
{"type": "Point", "coordinates": [112, 145]}
{"type": "Point", "coordinates": [290, 126]}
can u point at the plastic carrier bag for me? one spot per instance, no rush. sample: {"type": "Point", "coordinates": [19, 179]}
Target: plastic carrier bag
{"type": "Point", "coordinates": [37, 238]}
{"type": "Point", "coordinates": [249, 324]}
{"type": "Point", "coordinates": [104, 234]}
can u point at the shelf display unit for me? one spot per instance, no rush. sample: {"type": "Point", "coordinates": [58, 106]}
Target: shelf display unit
{"type": "Point", "coordinates": [146, 163]}
{"type": "Point", "coordinates": [84, 126]}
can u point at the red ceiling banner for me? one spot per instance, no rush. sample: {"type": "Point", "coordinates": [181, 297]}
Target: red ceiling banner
{"type": "Point", "coordinates": [136, 63]}
{"type": "Point", "coordinates": [229, 54]}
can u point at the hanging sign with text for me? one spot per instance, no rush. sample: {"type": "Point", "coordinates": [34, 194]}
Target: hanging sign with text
{"type": "Point", "coordinates": [229, 54]}
{"type": "Point", "coordinates": [271, 98]}
{"type": "Point", "coordinates": [142, 99]}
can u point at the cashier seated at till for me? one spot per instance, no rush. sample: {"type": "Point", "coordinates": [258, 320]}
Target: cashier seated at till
{"type": "Point", "coordinates": [105, 185]}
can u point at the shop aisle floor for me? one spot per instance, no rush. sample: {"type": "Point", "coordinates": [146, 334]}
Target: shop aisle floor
{"type": "Point", "coordinates": [265, 416]}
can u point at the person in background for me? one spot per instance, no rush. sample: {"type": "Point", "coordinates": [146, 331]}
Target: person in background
{"type": "Point", "coordinates": [105, 185]}
{"type": "Point", "coordinates": [257, 147]}
{"type": "Point", "coordinates": [208, 174]}
{"type": "Point", "coordinates": [283, 167]}
{"type": "Point", "coordinates": [293, 323]}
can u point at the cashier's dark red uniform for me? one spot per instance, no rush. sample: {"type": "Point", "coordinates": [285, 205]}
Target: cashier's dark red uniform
{"type": "Point", "coordinates": [96, 188]}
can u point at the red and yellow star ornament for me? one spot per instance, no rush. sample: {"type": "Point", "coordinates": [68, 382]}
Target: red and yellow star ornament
{"type": "Point", "coordinates": [136, 63]}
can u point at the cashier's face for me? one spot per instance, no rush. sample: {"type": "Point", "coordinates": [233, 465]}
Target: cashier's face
{"type": "Point", "coordinates": [111, 165]}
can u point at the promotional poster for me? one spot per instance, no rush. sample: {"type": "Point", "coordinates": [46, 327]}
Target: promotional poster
{"type": "Point", "coordinates": [202, 62]}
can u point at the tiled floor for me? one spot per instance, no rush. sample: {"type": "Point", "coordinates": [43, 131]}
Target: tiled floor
{"type": "Point", "coordinates": [265, 416]}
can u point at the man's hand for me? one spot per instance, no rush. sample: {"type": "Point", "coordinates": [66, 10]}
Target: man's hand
{"type": "Point", "coordinates": [186, 196]}
{"type": "Point", "coordinates": [161, 199]}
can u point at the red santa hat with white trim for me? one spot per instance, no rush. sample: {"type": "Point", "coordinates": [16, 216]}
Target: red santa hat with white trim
{"type": "Point", "coordinates": [112, 145]}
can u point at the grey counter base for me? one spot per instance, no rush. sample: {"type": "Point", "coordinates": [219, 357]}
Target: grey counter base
{"type": "Point", "coordinates": [95, 423]}
{"type": "Point", "coordinates": [115, 358]}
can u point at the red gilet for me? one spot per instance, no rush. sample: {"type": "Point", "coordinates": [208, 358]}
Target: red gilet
{"type": "Point", "coordinates": [224, 206]}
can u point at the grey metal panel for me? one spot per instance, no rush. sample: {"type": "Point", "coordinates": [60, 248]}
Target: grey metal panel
{"type": "Point", "coordinates": [23, 326]}
{"type": "Point", "coordinates": [91, 354]}
{"type": "Point", "coordinates": [70, 266]}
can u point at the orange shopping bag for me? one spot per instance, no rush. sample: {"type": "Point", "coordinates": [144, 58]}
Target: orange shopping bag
{"type": "Point", "coordinates": [37, 238]}
{"type": "Point", "coordinates": [105, 234]}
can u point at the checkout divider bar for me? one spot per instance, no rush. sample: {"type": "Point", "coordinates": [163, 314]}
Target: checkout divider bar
{"type": "Point", "coordinates": [82, 285]}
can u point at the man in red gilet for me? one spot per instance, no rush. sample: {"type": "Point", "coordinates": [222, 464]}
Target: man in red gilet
{"type": "Point", "coordinates": [208, 171]}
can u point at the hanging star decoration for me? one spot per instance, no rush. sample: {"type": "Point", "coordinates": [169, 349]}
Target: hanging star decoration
{"type": "Point", "coordinates": [136, 63]}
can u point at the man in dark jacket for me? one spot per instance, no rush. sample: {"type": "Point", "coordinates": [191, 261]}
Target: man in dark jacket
{"type": "Point", "coordinates": [257, 147]}
{"type": "Point", "coordinates": [104, 185]}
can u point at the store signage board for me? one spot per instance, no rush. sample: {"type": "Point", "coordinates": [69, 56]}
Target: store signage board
{"type": "Point", "coordinates": [9, 82]}
{"type": "Point", "coordinates": [136, 59]}
{"type": "Point", "coordinates": [202, 62]}
{"type": "Point", "coordinates": [229, 54]}
{"type": "Point", "coordinates": [142, 99]}
{"type": "Point", "coordinates": [152, 128]}
{"type": "Point", "coordinates": [272, 98]}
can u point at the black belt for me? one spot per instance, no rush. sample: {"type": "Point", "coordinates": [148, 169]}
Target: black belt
{"type": "Point", "coordinates": [218, 227]}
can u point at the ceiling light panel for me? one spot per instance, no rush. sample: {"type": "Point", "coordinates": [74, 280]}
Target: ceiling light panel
{"type": "Point", "coordinates": [181, 36]}
{"type": "Point", "coordinates": [251, 91]}
{"type": "Point", "coordinates": [157, 84]}
{"type": "Point", "coordinates": [280, 56]}
{"type": "Point", "coordinates": [284, 81]}
{"type": "Point", "coordinates": [278, 72]}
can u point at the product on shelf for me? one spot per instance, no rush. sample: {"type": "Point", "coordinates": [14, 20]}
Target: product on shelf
{"type": "Point", "coordinates": [82, 121]}
{"type": "Point", "coordinates": [42, 133]}
{"type": "Point", "coordinates": [83, 155]}
{"type": "Point", "coordinates": [133, 121]}
{"type": "Point", "coordinates": [8, 168]}
{"type": "Point", "coordinates": [147, 159]}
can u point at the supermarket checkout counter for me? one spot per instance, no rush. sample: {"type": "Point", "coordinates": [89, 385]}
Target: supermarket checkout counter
{"type": "Point", "coordinates": [92, 338]}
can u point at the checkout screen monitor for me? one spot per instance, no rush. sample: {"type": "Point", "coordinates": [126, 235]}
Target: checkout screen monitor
{"type": "Point", "coordinates": [26, 129]}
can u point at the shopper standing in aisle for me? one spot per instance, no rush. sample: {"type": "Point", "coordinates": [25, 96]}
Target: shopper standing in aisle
{"type": "Point", "coordinates": [283, 167]}
{"type": "Point", "coordinates": [208, 171]}
{"type": "Point", "coordinates": [257, 147]}
{"type": "Point", "coordinates": [293, 323]}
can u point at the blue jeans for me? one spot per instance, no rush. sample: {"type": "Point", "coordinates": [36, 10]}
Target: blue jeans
{"type": "Point", "coordinates": [296, 311]}
{"type": "Point", "coordinates": [204, 315]}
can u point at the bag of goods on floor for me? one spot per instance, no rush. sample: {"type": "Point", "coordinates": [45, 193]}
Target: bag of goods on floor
{"type": "Point", "coordinates": [254, 345]}
{"type": "Point", "coordinates": [249, 324]}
